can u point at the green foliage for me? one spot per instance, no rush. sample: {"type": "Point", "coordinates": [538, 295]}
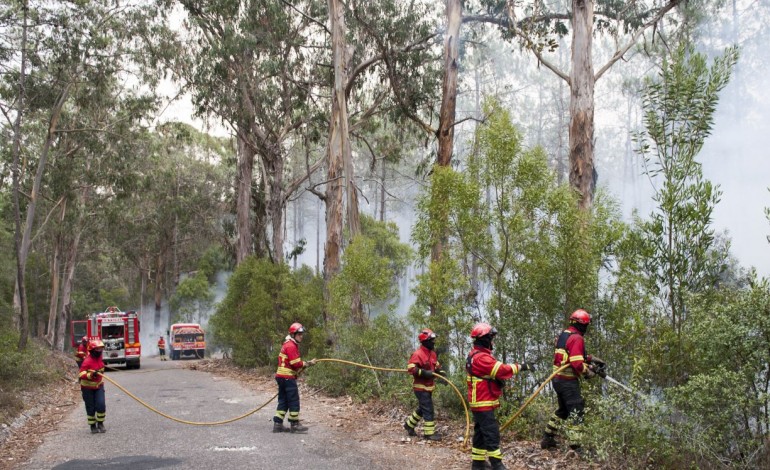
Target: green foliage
{"type": "Point", "coordinates": [382, 343]}
{"type": "Point", "coordinates": [679, 113]}
{"type": "Point", "coordinates": [262, 300]}
{"type": "Point", "coordinates": [371, 265]}
{"type": "Point", "coordinates": [193, 296]}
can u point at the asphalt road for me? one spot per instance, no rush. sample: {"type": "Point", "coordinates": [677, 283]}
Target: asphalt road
{"type": "Point", "coordinates": [139, 439]}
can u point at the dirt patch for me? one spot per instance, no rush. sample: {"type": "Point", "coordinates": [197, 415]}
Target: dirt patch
{"type": "Point", "coordinates": [376, 427]}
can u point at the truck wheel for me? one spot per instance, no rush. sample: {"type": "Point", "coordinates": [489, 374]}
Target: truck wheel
{"type": "Point", "coordinates": [200, 353]}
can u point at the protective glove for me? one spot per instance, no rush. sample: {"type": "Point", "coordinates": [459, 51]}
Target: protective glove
{"type": "Point", "coordinates": [590, 372]}
{"type": "Point", "coordinates": [424, 374]}
{"type": "Point", "coordinates": [311, 362]}
{"type": "Point", "coordinates": [92, 374]}
{"type": "Point", "coordinates": [527, 366]}
{"type": "Point", "coordinates": [596, 360]}
{"type": "Point", "coordinates": [438, 370]}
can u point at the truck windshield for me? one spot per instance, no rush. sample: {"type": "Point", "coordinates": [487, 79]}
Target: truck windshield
{"type": "Point", "coordinates": [189, 338]}
{"type": "Point", "coordinates": [112, 331]}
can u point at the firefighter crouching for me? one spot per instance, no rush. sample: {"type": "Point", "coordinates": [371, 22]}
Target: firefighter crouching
{"type": "Point", "coordinates": [485, 385]}
{"type": "Point", "coordinates": [289, 365]}
{"type": "Point", "coordinates": [570, 349]}
{"type": "Point", "coordinates": [422, 365]}
{"type": "Point", "coordinates": [92, 386]}
{"type": "Point", "coordinates": [82, 351]}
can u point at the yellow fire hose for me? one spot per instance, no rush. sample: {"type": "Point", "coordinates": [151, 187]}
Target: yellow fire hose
{"type": "Point", "coordinates": [532, 397]}
{"type": "Point", "coordinates": [342, 361]}
{"type": "Point", "coordinates": [441, 377]}
{"type": "Point", "coordinates": [194, 423]}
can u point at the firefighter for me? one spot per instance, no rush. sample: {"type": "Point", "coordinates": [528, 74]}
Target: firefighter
{"type": "Point", "coordinates": [162, 348]}
{"type": "Point", "coordinates": [422, 365]}
{"type": "Point", "coordinates": [92, 386]}
{"type": "Point", "coordinates": [485, 385]}
{"type": "Point", "coordinates": [570, 349]}
{"type": "Point", "coordinates": [81, 351]}
{"type": "Point", "coordinates": [289, 365]}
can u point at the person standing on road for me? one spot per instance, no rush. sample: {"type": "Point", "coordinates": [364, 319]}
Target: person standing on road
{"type": "Point", "coordinates": [162, 348]}
{"type": "Point", "coordinates": [570, 349]}
{"type": "Point", "coordinates": [423, 365]}
{"type": "Point", "coordinates": [82, 351]}
{"type": "Point", "coordinates": [289, 365]}
{"type": "Point", "coordinates": [485, 385]}
{"type": "Point", "coordinates": [92, 386]}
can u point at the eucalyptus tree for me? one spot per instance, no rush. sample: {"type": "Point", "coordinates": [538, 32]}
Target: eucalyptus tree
{"type": "Point", "coordinates": [171, 213]}
{"type": "Point", "coordinates": [70, 46]}
{"type": "Point", "coordinates": [383, 63]}
{"type": "Point", "coordinates": [537, 25]}
{"type": "Point", "coordinates": [251, 63]}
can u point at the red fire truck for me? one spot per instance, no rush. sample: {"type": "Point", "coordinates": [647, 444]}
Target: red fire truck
{"type": "Point", "coordinates": [118, 330]}
{"type": "Point", "coordinates": [186, 339]}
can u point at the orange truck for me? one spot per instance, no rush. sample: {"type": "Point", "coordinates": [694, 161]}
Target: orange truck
{"type": "Point", "coordinates": [118, 330]}
{"type": "Point", "coordinates": [186, 339]}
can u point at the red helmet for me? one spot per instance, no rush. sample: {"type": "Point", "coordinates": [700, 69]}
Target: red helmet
{"type": "Point", "coordinates": [482, 329]}
{"type": "Point", "coordinates": [426, 334]}
{"type": "Point", "coordinates": [84, 340]}
{"type": "Point", "coordinates": [296, 328]}
{"type": "Point", "coordinates": [95, 344]}
{"type": "Point", "coordinates": [580, 316]}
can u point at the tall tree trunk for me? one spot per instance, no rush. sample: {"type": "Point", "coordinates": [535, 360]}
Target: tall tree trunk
{"type": "Point", "coordinates": [70, 264]}
{"type": "Point", "coordinates": [67, 287]}
{"type": "Point", "coordinates": [274, 173]}
{"type": "Point", "coordinates": [26, 240]}
{"type": "Point", "coordinates": [445, 132]}
{"type": "Point", "coordinates": [383, 193]}
{"type": "Point", "coordinates": [338, 137]}
{"type": "Point", "coordinates": [243, 200]}
{"type": "Point", "coordinates": [54, 303]}
{"type": "Point", "coordinates": [21, 315]}
{"type": "Point", "coordinates": [582, 174]}
{"type": "Point", "coordinates": [160, 273]}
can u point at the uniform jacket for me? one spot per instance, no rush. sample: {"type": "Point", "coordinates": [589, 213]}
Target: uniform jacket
{"type": "Point", "coordinates": [87, 377]}
{"type": "Point", "coordinates": [289, 361]}
{"type": "Point", "coordinates": [423, 358]}
{"type": "Point", "coordinates": [570, 349]}
{"type": "Point", "coordinates": [484, 379]}
{"type": "Point", "coordinates": [161, 343]}
{"type": "Point", "coordinates": [80, 353]}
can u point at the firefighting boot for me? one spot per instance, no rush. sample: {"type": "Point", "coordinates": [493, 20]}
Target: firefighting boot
{"type": "Point", "coordinates": [279, 427]}
{"type": "Point", "coordinates": [497, 464]}
{"type": "Point", "coordinates": [432, 437]}
{"type": "Point", "coordinates": [479, 465]}
{"type": "Point", "coordinates": [100, 427]}
{"type": "Point", "coordinates": [297, 428]}
{"type": "Point", "coordinates": [93, 429]}
{"type": "Point", "coordinates": [409, 430]}
{"type": "Point", "coordinates": [548, 442]}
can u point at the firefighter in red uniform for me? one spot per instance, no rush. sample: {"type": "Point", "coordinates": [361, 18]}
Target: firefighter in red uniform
{"type": "Point", "coordinates": [162, 348]}
{"type": "Point", "coordinates": [485, 385]}
{"type": "Point", "coordinates": [422, 365]}
{"type": "Point", "coordinates": [82, 351]}
{"type": "Point", "coordinates": [570, 349]}
{"type": "Point", "coordinates": [92, 386]}
{"type": "Point", "coordinates": [289, 365]}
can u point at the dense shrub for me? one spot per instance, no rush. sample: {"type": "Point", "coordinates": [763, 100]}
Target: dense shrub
{"type": "Point", "coordinates": [262, 300]}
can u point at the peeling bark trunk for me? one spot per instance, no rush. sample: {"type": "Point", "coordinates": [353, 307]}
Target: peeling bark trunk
{"type": "Point", "coordinates": [447, 112]}
{"type": "Point", "coordinates": [582, 174]}
{"type": "Point", "coordinates": [243, 200]}
{"type": "Point", "coordinates": [336, 149]}
{"type": "Point", "coordinates": [274, 169]}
